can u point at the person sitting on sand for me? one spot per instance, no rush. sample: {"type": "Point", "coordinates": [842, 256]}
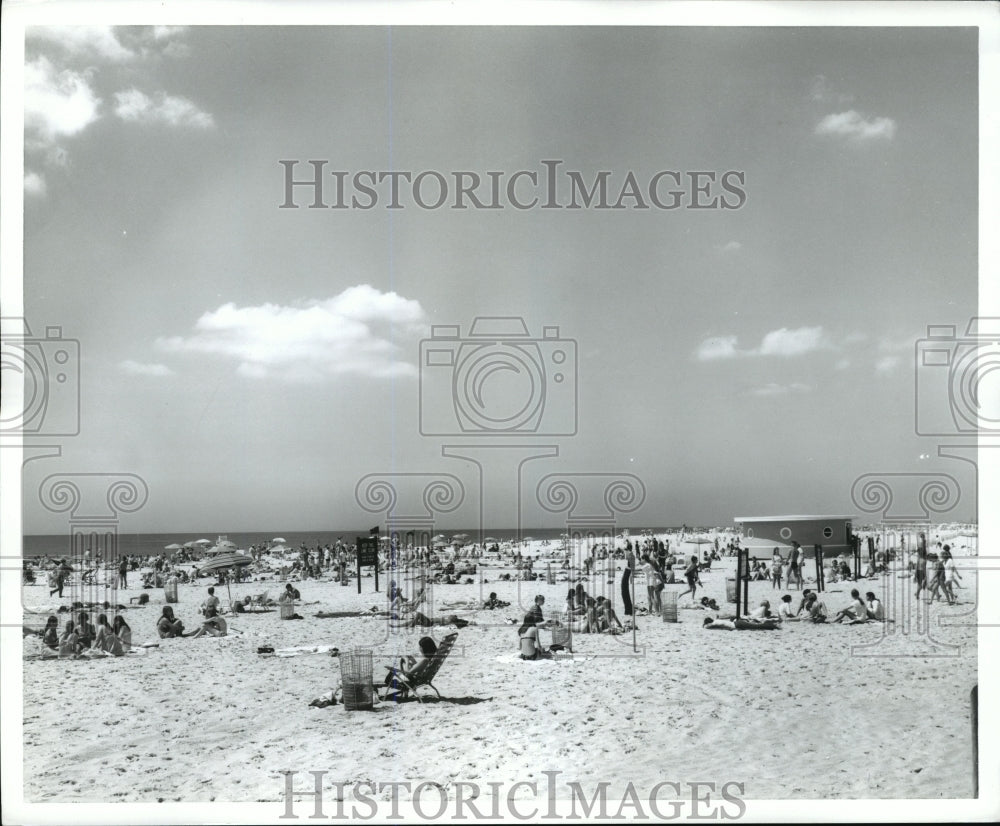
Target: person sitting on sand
{"type": "Point", "coordinates": [210, 607]}
{"type": "Point", "coordinates": [85, 631]}
{"type": "Point", "coordinates": [123, 632]}
{"type": "Point", "coordinates": [493, 603]}
{"type": "Point", "coordinates": [50, 635]}
{"type": "Point", "coordinates": [607, 619]}
{"type": "Point", "coordinates": [415, 669]}
{"type": "Point", "coordinates": [69, 644]}
{"type": "Point", "coordinates": [290, 594]}
{"type": "Point", "coordinates": [874, 608]}
{"type": "Point", "coordinates": [105, 640]}
{"type": "Point", "coordinates": [814, 607]}
{"type": "Point", "coordinates": [212, 627]}
{"type": "Point", "coordinates": [533, 617]}
{"type": "Point", "coordinates": [785, 611]}
{"type": "Point", "coordinates": [856, 612]}
{"type": "Point", "coordinates": [169, 626]}
{"type": "Point", "coordinates": [762, 612]}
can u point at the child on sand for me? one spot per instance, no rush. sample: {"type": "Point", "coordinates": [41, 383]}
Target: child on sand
{"type": "Point", "coordinates": [168, 626]}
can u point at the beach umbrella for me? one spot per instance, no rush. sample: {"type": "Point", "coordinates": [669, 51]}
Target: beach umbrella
{"type": "Point", "coordinates": [279, 540]}
{"type": "Point", "coordinates": [203, 542]}
{"type": "Point", "coordinates": [439, 538]}
{"type": "Point", "coordinates": [173, 546]}
{"type": "Point", "coordinates": [224, 562]}
{"type": "Point", "coordinates": [490, 539]}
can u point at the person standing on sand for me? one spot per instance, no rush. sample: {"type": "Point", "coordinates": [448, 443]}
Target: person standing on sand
{"type": "Point", "coordinates": [776, 566]}
{"type": "Point", "coordinates": [795, 565]}
{"type": "Point", "coordinates": [123, 572]}
{"type": "Point", "coordinates": [691, 575]}
{"type": "Point", "coordinates": [626, 584]}
{"type": "Point", "coordinates": [920, 572]}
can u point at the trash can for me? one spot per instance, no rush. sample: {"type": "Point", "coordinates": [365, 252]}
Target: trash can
{"type": "Point", "coordinates": [356, 679]}
{"type": "Point", "coordinates": [669, 606]}
{"type": "Point", "coordinates": [287, 609]}
{"type": "Point", "coordinates": [561, 635]}
{"type": "Point", "coordinates": [730, 589]}
{"type": "Point", "coordinates": [170, 589]}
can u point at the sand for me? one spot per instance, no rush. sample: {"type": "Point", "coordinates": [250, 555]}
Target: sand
{"type": "Point", "coordinates": [793, 713]}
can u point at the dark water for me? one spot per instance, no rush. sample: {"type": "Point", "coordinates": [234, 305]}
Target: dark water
{"type": "Point", "coordinates": [148, 544]}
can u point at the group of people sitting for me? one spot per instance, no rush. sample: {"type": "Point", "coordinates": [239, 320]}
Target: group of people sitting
{"type": "Point", "coordinates": [810, 609]}
{"type": "Point", "coordinates": [213, 625]}
{"type": "Point", "coordinates": [82, 636]}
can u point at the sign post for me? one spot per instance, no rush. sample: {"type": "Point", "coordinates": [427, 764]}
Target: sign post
{"type": "Point", "coordinates": [368, 555]}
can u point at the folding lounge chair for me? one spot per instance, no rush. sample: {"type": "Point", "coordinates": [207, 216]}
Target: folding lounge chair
{"type": "Point", "coordinates": [409, 685]}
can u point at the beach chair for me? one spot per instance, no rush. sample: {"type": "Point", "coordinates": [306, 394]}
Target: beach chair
{"type": "Point", "coordinates": [408, 686]}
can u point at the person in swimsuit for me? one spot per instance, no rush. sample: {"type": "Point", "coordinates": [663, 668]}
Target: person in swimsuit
{"type": "Point", "coordinates": [123, 632]}
{"type": "Point", "coordinates": [691, 575]}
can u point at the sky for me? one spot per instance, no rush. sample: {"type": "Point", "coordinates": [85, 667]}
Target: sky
{"type": "Point", "coordinates": [254, 365]}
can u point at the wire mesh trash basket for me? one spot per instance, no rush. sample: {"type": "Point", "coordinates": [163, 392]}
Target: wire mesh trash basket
{"type": "Point", "coordinates": [356, 679]}
{"type": "Point", "coordinates": [730, 589]}
{"type": "Point", "coordinates": [669, 606]}
{"type": "Point", "coordinates": [561, 635]}
{"type": "Point", "coordinates": [170, 589]}
{"type": "Point", "coordinates": [287, 610]}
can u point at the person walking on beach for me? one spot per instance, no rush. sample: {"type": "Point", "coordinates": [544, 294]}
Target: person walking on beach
{"type": "Point", "coordinates": [920, 571]}
{"type": "Point", "coordinates": [123, 572]}
{"type": "Point", "coordinates": [951, 575]}
{"type": "Point", "coordinates": [691, 575]}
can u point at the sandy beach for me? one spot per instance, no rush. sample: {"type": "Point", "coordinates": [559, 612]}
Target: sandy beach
{"type": "Point", "coordinates": [797, 713]}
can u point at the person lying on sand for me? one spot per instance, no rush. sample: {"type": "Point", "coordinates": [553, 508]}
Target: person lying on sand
{"type": "Point", "coordinates": [718, 624]}
{"type": "Point", "coordinates": [420, 620]}
{"type": "Point", "coordinates": [709, 604]}
{"type": "Point", "coordinates": [856, 612]}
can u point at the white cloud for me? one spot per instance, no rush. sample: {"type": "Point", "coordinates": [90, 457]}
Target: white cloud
{"type": "Point", "coordinates": [780, 342]}
{"type": "Point", "coordinates": [886, 363]}
{"type": "Point", "coordinates": [775, 389]}
{"type": "Point", "coordinates": [84, 41]}
{"type": "Point", "coordinates": [137, 368]}
{"type": "Point", "coordinates": [785, 342]}
{"type": "Point", "coordinates": [354, 332]}
{"type": "Point", "coordinates": [723, 347]}
{"type": "Point", "coordinates": [56, 103]}
{"type": "Point", "coordinates": [34, 183]}
{"type": "Point", "coordinates": [843, 364]}
{"type": "Point", "coordinates": [136, 106]}
{"type": "Point", "coordinates": [854, 126]}
{"type": "Point", "coordinates": [729, 247]}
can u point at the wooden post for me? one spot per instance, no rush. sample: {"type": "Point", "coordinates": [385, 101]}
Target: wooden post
{"type": "Point", "coordinates": [739, 581]}
{"type": "Point", "coordinates": [974, 699]}
{"type": "Point", "coordinates": [820, 575]}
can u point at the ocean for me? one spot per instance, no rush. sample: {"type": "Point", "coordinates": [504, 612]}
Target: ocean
{"type": "Point", "coordinates": [150, 544]}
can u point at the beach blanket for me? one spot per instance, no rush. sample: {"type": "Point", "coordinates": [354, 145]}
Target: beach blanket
{"type": "Point", "coordinates": [298, 651]}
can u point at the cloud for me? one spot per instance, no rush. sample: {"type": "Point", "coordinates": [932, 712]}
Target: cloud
{"type": "Point", "coordinates": [133, 105]}
{"type": "Point", "coordinates": [785, 342]}
{"type": "Point", "coordinates": [820, 91]}
{"type": "Point", "coordinates": [775, 389]}
{"type": "Point", "coordinates": [56, 103]}
{"type": "Point", "coordinates": [842, 364]}
{"type": "Point", "coordinates": [854, 126]}
{"type": "Point", "coordinates": [353, 333]}
{"type": "Point", "coordinates": [729, 247]}
{"type": "Point", "coordinates": [723, 347]}
{"type": "Point", "coordinates": [83, 41]}
{"type": "Point", "coordinates": [137, 368]}
{"type": "Point", "coordinates": [780, 342]}
{"type": "Point", "coordinates": [34, 184]}
{"type": "Point", "coordinates": [886, 364]}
